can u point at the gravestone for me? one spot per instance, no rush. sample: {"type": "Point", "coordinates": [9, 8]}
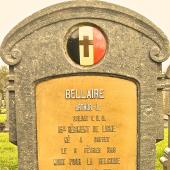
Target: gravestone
{"type": "Point", "coordinates": [1, 100]}
{"type": "Point", "coordinates": [85, 88]}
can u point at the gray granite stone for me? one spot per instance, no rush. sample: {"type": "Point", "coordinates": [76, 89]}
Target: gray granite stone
{"type": "Point", "coordinates": [36, 51]}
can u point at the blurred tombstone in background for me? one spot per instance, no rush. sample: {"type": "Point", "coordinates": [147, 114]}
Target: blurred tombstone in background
{"type": "Point", "coordinates": [0, 101]}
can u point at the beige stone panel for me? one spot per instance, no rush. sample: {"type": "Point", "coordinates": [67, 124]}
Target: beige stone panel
{"type": "Point", "coordinates": [118, 109]}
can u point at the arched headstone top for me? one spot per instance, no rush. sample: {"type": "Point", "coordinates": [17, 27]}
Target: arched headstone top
{"type": "Point", "coordinates": [86, 9]}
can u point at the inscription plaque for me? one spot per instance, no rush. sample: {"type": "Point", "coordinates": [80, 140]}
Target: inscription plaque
{"type": "Point", "coordinates": [87, 123]}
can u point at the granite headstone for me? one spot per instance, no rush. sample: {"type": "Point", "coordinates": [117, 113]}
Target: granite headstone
{"type": "Point", "coordinates": [85, 88]}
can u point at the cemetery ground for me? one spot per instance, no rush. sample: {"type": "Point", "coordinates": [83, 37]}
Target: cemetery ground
{"type": "Point", "coordinates": [8, 151]}
{"type": "Point", "coordinates": [2, 118]}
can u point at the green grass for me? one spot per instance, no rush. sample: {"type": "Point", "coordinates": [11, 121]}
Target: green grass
{"type": "Point", "coordinates": [8, 153]}
{"type": "Point", "coordinates": [3, 118]}
{"type": "Point", "coordinates": [3, 111]}
{"type": "Point", "coordinates": [160, 147]}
